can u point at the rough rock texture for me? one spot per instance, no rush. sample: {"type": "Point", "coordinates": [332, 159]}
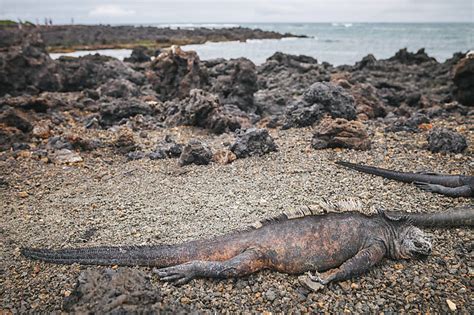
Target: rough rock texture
{"type": "Point", "coordinates": [118, 88]}
{"type": "Point", "coordinates": [27, 66]}
{"type": "Point", "coordinates": [15, 118]}
{"type": "Point", "coordinates": [444, 140]}
{"type": "Point", "coordinates": [224, 157]}
{"type": "Point", "coordinates": [174, 73]}
{"type": "Point", "coordinates": [283, 77]}
{"type": "Point", "coordinates": [464, 81]}
{"type": "Point", "coordinates": [235, 81]}
{"type": "Point", "coordinates": [195, 152]}
{"type": "Point", "coordinates": [410, 124]}
{"type": "Point", "coordinates": [340, 133]}
{"type": "Point", "coordinates": [204, 110]}
{"type": "Point", "coordinates": [139, 54]}
{"type": "Point", "coordinates": [405, 57]}
{"type": "Point", "coordinates": [117, 109]}
{"type": "Point", "coordinates": [93, 70]}
{"type": "Point", "coordinates": [252, 142]}
{"type": "Point", "coordinates": [125, 144]}
{"type": "Point", "coordinates": [111, 291]}
{"type": "Point", "coordinates": [167, 148]}
{"type": "Point", "coordinates": [318, 99]}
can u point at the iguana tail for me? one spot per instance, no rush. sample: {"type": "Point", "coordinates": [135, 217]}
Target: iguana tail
{"type": "Point", "coordinates": [455, 217]}
{"type": "Point", "coordinates": [445, 180]}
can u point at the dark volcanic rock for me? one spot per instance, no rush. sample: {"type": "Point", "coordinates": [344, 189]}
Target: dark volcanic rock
{"type": "Point", "coordinates": [203, 110]}
{"type": "Point", "coordinates": [406, 57]}
{"type": "Point", "coordinates": [135, 155]}
{"type": "Point", "coordinates": [139, 54]}
{"type": "Point", "coordinates": [252, 142]}
{"type": "Point", "coordinates": [195, 152]}
{"type": "Point", "coordinates": [282, 77]}
{"type": "Point", "coordinates": [119, 88]}
{"type": "Point", "coordinates": [167, 148]}
{"type": "Point", "coordinates": [464, 81]}
{"type": "Point", "coordinates": [15, 118]}
{"type": "Point", "coordinates": [410, 124]}
{"type": "Point", "coordinates": [174, 73]}
{"type": "Point", "coordinates": [318, 99]}
{"type": "Point", "coordinates": [118, 109]}
{"type": "Point", "coordinates": [125, 143]}
{"type": "Point", "coordinates": [340, 133]}
{"type": "Point", "coordinates": [111, 291]}
{"type": "Point", "coordinates": [28, 67]}
{"type": "Point", "coordinates": [444, 140]}
{"type": "Point", "coordinates": [235, 81]}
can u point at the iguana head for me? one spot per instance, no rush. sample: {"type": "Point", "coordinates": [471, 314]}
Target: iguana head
{"type": "Point", "coordinates": [413, 242]}
{"type": "Point", "coordinates": [409, 241]}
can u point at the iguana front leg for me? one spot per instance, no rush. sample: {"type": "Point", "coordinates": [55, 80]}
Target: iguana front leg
{"type": "Point", "coordinates": [461, 191]}
{"type": "Point", "coordinates": [243, 264]}
{"type": "Point", "coordinates": [360, 263]}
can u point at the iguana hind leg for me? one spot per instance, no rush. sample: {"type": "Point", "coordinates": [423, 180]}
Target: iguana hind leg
{"type": "Point", "coordinates": [249, 261]}
{"type": "Point", "coordinates": [461, 191]}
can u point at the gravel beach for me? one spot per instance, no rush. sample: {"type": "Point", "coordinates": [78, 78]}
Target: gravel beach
{"type": "Point", "coordinates": [107, 200]}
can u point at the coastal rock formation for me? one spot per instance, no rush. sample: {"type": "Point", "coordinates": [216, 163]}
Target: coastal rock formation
{"type": "Point", "coordinates": [283, 77]}
{"type": "Point", "coordinates": [405, 57]}
{"type": "Point", "coordinates": [174, 73]}
{"type": "Point", "coordinates": [195, 152]}
{"type": "Point", "coordinates": [27, 67]}
{"type": "Point", "coordinates": [252, 142]}
{"type": "Point", "coordinates": [319, 99]}
{"type": "Point", "coordinates": [201, 109]}
{"type": "Point", "coordinates": [444, 140]}
{"type": "Point", "coordinates": [464, 81]}
{"type": "Point", "coordinates": [235, 81]}
{"type": "Point", "coordinates": [118, 88]}
{"type": "Point", "coordinates": [139, 54]}
{"type": "Point", "coordinates": [340, 133]}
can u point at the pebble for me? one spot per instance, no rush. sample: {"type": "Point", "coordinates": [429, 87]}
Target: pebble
{"type": "Point", "coordinates": [451, 305]}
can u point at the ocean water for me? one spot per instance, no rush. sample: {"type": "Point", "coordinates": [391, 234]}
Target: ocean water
{"type": "Point", "coordinates": [336, 43]}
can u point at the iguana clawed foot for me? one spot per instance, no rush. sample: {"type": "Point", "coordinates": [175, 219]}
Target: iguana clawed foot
{"type": "Point", "coordinates": [317, 277]}
{"type": "Point", "coordinates": [179, 274]}
{"type": "Point", "coordinates": [427, 187]}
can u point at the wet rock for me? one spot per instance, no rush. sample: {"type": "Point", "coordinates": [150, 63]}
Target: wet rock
{"type": "Point", "coordinates": [317, 100]}
{"type": "Point", "coordinates": [174, 73]}
{"type": "Point", "coordinates": [139, 54]}
{"type": "Point", "coordinates": [113, 112]}
{"type": "Point", "coordinates": [204, 110]}
{"type": "Point", "coordinates": [119, 88]}
{"type": "Point", "coordinates": [66, 156]}
{"type": "Point", "coordinates": [27, 66]}
{"type": "Point", "coordinates": [464, 81]}
{"type": "Point", "coordinates": [405, 57]}
{"type": "Point", "coordinates": [252, 142]}
{"type": "Point", "coordinates": [112, 291]}
{"type": "Point", "coordinates": [235, 82]}
{"type": "Point", "coordinates": [15, 118]}
{"type": "Point", "coordinates": [195, 152]}
{"type": "Point", "coordinates": [340, 133]}
{"type": "Point", "coordinates": [444, 140]}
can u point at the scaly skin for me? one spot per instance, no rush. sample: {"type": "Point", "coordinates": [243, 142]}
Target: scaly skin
{"type": "Point", "coordinates": [341, 244]}
{"type": "Point", "coordinates": [448, 185]}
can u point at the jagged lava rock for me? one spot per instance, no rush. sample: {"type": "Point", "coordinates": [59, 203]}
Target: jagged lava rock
{"type": "Point", "coordinates": [464, 81]}
{"type": "Point", "coordinates": [166, 148]}
{"type": "Point", "coordinates": [139, 54]}
{"type": "Point", "coordinates": [444, 140]}
{"type": "Point", "coordinates": [318, 99]}
{"type": "Point", "coordinates": [340, 133]}
{"type": "Point", "coordinates": [118, 88]}
{"type": "Point", "coordinates": [252, 142]}
{"type": "Point", "coordinates": [117, 109]}
{"type": "Point", "coordinates": [195, 152]}
{"type": "Point", "coordinates": [174, 73]}
{"type": "Point", "coordinates": [15, 118]}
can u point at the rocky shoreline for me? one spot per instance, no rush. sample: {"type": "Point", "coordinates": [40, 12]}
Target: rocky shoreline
{"type": "Point", "coordinates": [66, 38]}
{"type": "Point", "coordinates": [96, 151]}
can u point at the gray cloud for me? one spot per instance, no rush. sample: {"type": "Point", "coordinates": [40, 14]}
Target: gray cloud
{"type": "Point", "coordinates": [212, 11]}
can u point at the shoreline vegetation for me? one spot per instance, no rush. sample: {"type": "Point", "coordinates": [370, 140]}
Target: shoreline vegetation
{"type": "Point", "coordinates": [69, 38]}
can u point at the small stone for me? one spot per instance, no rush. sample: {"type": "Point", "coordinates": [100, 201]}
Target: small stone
{"type": "Point", "coordinates": [252, 142]}
{"type": "Point", "coordinates": [224, 157]}
{"type": "Point", "coordinates": [270, 295]}
{"type": "Point", "coordinates": [66, 156]}
{"type": "Point", "coordinates": [23, 194]}
{"type": "Point", "coordinates": [451, 305]}
{"type": "Point", "coordinates": [135, 155]}
{"type": "Point", "coordinates": [354, 286]}
{"type": "Point", "coordinates": [195, 152]}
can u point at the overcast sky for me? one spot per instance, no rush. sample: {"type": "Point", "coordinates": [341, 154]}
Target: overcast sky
{"type": "Point", "coordinates": [234, 11]}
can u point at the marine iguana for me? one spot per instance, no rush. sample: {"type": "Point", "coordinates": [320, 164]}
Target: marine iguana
{"type": "Point", "coordinates": [341, 245]}
{"type": "Point", "coordinates": [448, 185]}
